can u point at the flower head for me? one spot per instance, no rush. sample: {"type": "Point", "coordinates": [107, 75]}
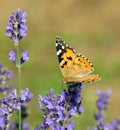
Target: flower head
{"type": "Point", "coordinates": [59, 108]}
{"type": "Point", "coordinates": [54, 110]}
{"type": "Point", "coordinates": [16, 28]}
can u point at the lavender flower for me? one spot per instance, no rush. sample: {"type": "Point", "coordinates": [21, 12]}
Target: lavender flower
{"type": "Point", "coordinates": [53, 107]}
{"type": "Point", "coordinates": [74, 99]}
{"type": "Point", "coordinates": [102, 104]}
{"type": "Point", "coordinates": [103, 100]}
{"type": "Point", "coordinates": [115, 125]}
{"type": "Point", "coordinates": [11, 103]}
{"type": "Point", "coordinates": [25, 56]}
{"type": "Point", "coordinates": [59, 108]}
{"type": "Point", "coordinates": [26, 95]}
{"type": "Point", "coordinates": [16, 28]}
{"type": "Point", "coordinates": [5, 77]}
{"type": "Point", "coordinates": [12, 57]}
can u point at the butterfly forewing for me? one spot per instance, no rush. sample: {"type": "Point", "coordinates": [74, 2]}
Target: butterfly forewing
{"type": "Point", "coordinates": [65, 55]}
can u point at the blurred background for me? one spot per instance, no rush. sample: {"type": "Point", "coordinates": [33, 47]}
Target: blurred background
{"type": "Point", "coordinates": [91, 27]}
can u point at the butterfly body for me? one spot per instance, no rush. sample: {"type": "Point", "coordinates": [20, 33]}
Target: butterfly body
{"type": "Point", "coordinates": [74, 66]}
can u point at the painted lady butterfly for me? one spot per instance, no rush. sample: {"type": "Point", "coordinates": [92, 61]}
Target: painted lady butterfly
{"type": "Point", "coordinates": [74, 67]}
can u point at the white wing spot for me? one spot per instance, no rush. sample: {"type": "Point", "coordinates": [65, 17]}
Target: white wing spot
{"type": "Point", "coordinates": [56, 44]}
{"type": "Point", "coordinates": [66, 45]}
{"type": "Point", "coordinates": [58, 52]}
{"type": "Point", "coordinates": [63, 47]}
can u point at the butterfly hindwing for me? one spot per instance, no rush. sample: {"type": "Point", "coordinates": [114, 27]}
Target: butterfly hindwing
{"type": "Point", "coordinates": [88, 79]}
{"type": "Point", "coordinates": [81, 66]}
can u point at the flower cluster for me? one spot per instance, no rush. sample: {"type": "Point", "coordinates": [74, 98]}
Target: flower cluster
{"type": "Point", "coordinates": [10, 103]}
{"type": "Point", "coordinates": [59, 108]}
{"type": "Point", "coordinates": [16, 28]}
{"type": "Point", "coordinates": [5, 76]}
{"type": "Point", "coordinates": [12, 56]}
{"type": "Point", "coordinates": [102, 104]}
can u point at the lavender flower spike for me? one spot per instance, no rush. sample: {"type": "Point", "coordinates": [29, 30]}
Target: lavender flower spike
{"type": "Point", "coordinates": [16, 28]}
{"type": "Point", "coordinates": [103, 100]}
{"type": "Point", "coordinates": [102, 104]}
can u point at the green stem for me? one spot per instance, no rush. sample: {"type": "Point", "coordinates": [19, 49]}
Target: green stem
{"type": "Point", "coordinates": [19, 83]}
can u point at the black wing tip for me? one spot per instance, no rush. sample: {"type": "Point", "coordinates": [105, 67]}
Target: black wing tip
{"type": "Point", "coordinates": [60, 40]}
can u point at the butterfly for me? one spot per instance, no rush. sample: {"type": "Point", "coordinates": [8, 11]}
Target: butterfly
{"type": "Point", "coordinates": [74, 66]}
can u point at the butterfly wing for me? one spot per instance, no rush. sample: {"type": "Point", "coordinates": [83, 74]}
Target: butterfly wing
{"type": "Point", "coordinates": [81, 66]}
{"type": "Point", "coordinates": [65, 55]}
{"type": "Point", "coordinates": [88, 78]}
{"type": "Point", "coordinates": [74, 67]}
{"type": "Point", "coordinates": [80, 70]}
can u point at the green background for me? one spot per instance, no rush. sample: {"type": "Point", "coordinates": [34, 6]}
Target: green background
{"type": "Point", "coordinates": [91, 27]}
